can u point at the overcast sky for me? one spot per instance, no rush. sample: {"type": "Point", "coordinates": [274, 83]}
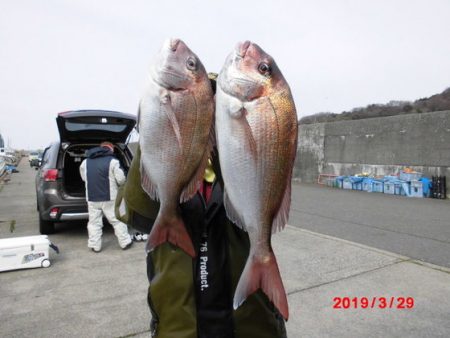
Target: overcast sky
{"type": "Point", "coordinates": [335, 54]}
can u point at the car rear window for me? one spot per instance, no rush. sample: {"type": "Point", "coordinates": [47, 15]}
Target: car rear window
{"type": "Point", "coordinates": [96, 123]}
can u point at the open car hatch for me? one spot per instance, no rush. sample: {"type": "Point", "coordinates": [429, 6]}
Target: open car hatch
{"type": "Point", "coordinates": [95, 126]}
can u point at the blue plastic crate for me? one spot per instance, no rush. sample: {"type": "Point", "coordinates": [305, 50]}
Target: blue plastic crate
{"type": "Point", "coordinates": [377, 186]}
{"type": "Point", "coordinates": [358, 185]}
{"type": "Point", "coordinates": [408, 177]}
{"type": "Point", "coordinates": [399, 190]}
{"type": "Point", "coordinates": [367, 184]}
{"type": "Point", "coordinates": [406, 188]}
{"type": "Point", "coordinates": [347, 183]}
{"type": "Point", "coordinates": [416, 189]}
{"type": "Point", "coordinates": [389, 188]}
{"type": "Point", "coordinates": [339, 181]}
{"type": "Point", "coordinates": [356, 182]}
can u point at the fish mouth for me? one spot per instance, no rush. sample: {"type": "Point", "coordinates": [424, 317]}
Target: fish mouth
{"type": "Point", "coordinates": [173, 44]}
{"type": "Point", "coordinates": [242, 47]}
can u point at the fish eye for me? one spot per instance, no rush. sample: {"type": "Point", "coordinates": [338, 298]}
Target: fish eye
{"type": "Point", "coordinates": [191, 64]}
{"type": "Point", "coordinates": [264, 69]}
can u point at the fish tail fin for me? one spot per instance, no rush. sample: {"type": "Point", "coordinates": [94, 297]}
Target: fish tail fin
{"type": "Point", "coordinates": [263, 275]}
{"type": "Point", "coordinates": [170, 230]}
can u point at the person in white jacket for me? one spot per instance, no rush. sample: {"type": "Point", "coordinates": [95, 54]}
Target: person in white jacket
{"type": "Point", "coordinates": [102, 175]}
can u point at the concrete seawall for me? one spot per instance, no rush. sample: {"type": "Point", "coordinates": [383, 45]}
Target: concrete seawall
{"type": "Point", "coordinates": [379, 146]}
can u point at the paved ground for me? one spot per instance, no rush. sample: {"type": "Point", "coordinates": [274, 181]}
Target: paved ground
{"type": "Point", "coordinates": [415, 227]}
{"type": "Point", "coordinates": [103, 295]}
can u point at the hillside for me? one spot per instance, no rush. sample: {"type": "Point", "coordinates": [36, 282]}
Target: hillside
{"type": "Point", "coordinates": [436, 102]}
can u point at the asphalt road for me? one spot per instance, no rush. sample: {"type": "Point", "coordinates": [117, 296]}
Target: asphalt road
{"type": "Point", "coordinates": [415, 227]}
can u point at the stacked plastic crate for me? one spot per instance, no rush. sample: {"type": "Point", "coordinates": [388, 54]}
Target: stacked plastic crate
{"type": "Point", "coordinates": [394, 186]}
{"type": "Point", "coordinates": [408, 183]}
{"type": "Point", "coordinates": [413, 186]}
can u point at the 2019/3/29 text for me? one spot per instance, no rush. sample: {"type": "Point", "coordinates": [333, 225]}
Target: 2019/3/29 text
{"type": "Point", "coordinates": [373, 302]}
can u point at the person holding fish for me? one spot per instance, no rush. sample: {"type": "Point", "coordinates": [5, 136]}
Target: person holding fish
{"type": "Point", "coordinates": [213, 188]}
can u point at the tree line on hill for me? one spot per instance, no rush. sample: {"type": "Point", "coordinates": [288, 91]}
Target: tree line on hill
{"type": "Point", "coordinates": [433, 103]}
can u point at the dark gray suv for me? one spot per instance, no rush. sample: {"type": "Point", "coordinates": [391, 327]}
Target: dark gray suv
{"type": "Point", "coordinates": [60, 192]}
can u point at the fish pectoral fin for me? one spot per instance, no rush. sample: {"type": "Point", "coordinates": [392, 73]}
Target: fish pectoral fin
{"type": "Point", "coordinates": [232, 214]}
{"type": "Point", "coordinates": [235, 108]}
{"type": "Point", "coordinates": [170, 113]}
{"type": "Point", "coordinates": [237, 113]}
{"type": "Point", "coordinates": [172, 230]}
{"type": "Point", "coordinates": [263, 275]}
{"type": "Point", "coordinates": [250, 138]}
{"type": "Point", "coordinates": [147, 184]}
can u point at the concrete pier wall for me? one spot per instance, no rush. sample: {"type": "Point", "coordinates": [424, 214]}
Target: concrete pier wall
{"type": "Point", "coordinates": [379, 146]}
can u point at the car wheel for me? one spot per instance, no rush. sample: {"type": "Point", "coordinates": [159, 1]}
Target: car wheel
{"type": "Point", "coordinates": [46, 227]}
{"type": "Point", "coordinates": [45, 263]}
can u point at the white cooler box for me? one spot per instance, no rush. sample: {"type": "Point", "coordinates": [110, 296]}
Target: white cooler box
{"type": "Point", "coordinates": [25, 252]}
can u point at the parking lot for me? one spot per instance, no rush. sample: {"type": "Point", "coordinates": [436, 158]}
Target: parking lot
{"type": "Point", "coordinates": [338, 244]}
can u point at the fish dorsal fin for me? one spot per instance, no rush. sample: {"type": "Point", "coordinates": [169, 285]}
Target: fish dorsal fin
{"type": "Point", "coordinates": [147, 184]}
{"type": "Point", "coordinates": [166, 106]}
{"type": "Point", "coordinates": [232, 214]}
{"type": "Point", "coordinates": [281, 218]}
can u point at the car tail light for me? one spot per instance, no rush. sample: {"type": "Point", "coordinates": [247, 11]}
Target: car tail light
{"type": "Point", "coordinates": [50, 175]}
{"type": "Point", "coordinates": [54, 212]}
